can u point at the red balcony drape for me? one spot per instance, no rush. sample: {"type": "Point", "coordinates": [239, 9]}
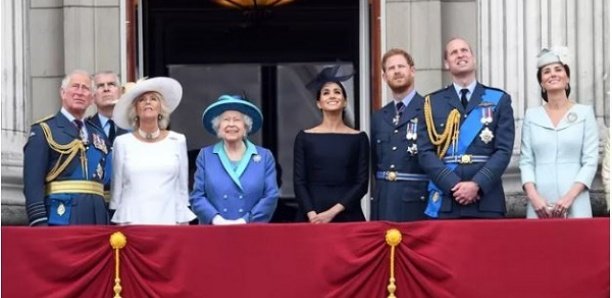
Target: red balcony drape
{"type": "Point", "coordinates": [472, 258]}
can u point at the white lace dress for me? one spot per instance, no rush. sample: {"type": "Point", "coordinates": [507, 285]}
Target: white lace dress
{"type": "Point", "coordinates": [149, 182]}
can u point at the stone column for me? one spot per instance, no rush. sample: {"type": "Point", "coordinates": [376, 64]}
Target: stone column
{"type": "Point", "coordinates": [14, 107]}
{"type": "Point", "coordinates": [44, 40]}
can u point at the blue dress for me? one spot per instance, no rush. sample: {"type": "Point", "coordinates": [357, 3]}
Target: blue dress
{"type": "Point", "coordinates": [554, 158]}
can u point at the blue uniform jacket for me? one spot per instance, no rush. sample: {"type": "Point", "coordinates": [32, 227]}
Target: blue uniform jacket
{"type": "Point", "coordinates": [95, 122]}
{"type": "Point", "coordinates": [39, 159]}
{"type": "Point", "coordinates": [397, 200]}
{"type": "Point", "coordinates": [488, 174]}
{"type": "Point", "coordinates": [250, 192]}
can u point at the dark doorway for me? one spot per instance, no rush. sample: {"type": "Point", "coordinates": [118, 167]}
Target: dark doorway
{"type": "Point", "coordinates": [213, 50]}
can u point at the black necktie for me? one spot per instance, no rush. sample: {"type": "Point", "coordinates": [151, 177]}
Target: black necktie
{"type": "Point", "coordinates": [464, 100]}
{"type": "Point", "coordinates": [79, 125]}
{"type": "Point", "coordinates": [399, 107]}
{"type": "Point", "coordinates": [111, 131]}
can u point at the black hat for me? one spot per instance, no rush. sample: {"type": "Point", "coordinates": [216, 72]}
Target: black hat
{"type": "Point", "coordinates": [326, 75]}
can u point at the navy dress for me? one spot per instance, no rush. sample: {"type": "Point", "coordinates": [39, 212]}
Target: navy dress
{"type": "Point", "coordinates": [331, 168]}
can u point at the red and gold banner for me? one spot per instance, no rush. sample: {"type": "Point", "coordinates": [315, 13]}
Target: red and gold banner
{"type": "Point", "coordinates": [471, 258]}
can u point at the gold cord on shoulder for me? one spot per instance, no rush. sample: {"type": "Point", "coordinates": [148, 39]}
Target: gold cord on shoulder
{"type": "Point", "coordinates": [451, 129]}
{"type": "Point", "coordinates": [69, 151]}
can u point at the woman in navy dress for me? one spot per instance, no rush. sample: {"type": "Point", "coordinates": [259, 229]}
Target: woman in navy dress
{"type": "Point", "coordinates": [330, 172]}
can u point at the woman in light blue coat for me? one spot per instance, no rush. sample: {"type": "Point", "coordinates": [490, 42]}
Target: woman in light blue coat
{"type": "Point", "coordinates": [559, 146]}
{"type": "Point", "coordinates": [235, 180]}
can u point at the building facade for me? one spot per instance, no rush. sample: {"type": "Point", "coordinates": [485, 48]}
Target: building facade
{"type": "Point", "coordinates": [45, 39]}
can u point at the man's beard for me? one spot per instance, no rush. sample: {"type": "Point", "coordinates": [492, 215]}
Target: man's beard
{"type": "Point", "coordinates": [401, 88]}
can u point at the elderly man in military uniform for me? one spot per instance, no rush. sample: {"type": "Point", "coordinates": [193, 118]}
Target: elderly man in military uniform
{"type": "Point", "coordinates": [467, 141]}
{"type": "Point", "coordinates": [65, 162]}
{"type": "Point", "coordinates": [400, 187]}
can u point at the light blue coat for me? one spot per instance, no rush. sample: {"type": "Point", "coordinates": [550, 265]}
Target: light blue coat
{"type": "Point", "coordinates": [247, 190]}
{"type": "Point", "coordinates": [554, 158]}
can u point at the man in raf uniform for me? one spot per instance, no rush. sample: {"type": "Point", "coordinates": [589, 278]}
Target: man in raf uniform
{"type": "Point", "coordinates": [65, 162]}
{"type": "Point", "coordinates": [400, 187]}
{"type": "Point", "coordinates": [467, 141]}
{"type": "Point", "coordinates": [106, 94]}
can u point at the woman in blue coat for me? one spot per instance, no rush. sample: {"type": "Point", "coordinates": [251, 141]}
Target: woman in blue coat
{"type": "Point", "coordinates": [235, 180]}
{"type": "Point", "coordinates": [559, 146]}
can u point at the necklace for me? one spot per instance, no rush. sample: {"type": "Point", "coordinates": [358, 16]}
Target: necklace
{"type": "Point", "coordinates": [149, 135]}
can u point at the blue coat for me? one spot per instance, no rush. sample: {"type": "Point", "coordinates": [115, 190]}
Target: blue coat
{"type": "Point", "coordinates": [554, 158]}
{"type": "Point", "coordinates": [396, 200]}
{"type": "Point", "coordinates": [40, 159]}
{"type": "Point", "coordinates": [249, 192]}
{"type": "Point", "coordinates": [486, 174]}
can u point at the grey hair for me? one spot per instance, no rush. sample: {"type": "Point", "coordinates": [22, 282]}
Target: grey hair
{"type": "Point", "coordinates": [67, 78]}
{"type": "Point", "coordinates": [164, 113]}
{"type": "Point", "coordinates": [109, 72]}
{"type": "Point", "coordinates": [248, 122]}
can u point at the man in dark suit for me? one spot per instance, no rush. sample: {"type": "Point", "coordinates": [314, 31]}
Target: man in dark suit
{"type": "Point", "coordinates": [65, 162]}
{"type": "Point", "coordinates": [400, 187]}
{"type": "Point", "coordinates": [467, 141]}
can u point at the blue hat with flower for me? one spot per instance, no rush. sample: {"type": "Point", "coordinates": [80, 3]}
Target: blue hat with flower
{"type": "Point", "coordinates": [231, 103]}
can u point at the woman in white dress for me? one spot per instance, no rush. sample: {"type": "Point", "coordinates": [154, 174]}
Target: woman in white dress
{"type": "Point", "coordinates": [150, 179]}
{"type": "Point", "coordinates": [558, 147]}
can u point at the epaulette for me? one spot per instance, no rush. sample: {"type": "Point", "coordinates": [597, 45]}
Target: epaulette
{"type": "Point", "coordinates": [493, 88]}
{"type": "Point", "coordinates": [44, 119]}
{"type": "Point", "coordinates": [437, 91]}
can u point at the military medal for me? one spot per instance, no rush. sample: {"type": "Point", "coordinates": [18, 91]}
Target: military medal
{"type": "Point", "coordinates": [99, 171]}
{"type": "Point", "coordinates": [571, 117]}
{"type": "Point", "coordinates": [486, 135]}
{"type": "Point", "coordinates": [99, 143]}
{"type": "Point", "coordinates": [396, 119]}
{"type": "Point", "coordinates": [487, 113]}
{"type": "Point", "coordinates": [411, 129]}
{"type": "Point", "coordinates": [413, 149]}
{"type": "Point", "coordinates": [61, 209]}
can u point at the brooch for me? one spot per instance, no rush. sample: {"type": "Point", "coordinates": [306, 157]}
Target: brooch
{"type": "Point", "coordinates": [257, 158]}
{"type": "Point", "coordinates": [571, 117]}
{"type": "Point", "coordinates": [486, 135]}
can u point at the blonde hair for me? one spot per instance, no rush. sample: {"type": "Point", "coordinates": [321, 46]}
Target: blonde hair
{"type": "Point", "coordinates": [163, 119]}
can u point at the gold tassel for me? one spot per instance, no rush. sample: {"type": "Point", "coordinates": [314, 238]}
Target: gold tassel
{"type": "Point", "coordinates": [393, 238]}
{"type": "Point", "coordinates": [117, 242]}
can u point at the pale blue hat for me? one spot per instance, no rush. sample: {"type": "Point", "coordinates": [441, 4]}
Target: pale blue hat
{"type": "Point", "coordinates": [231, 103]}
{"type": "Point", "coordinates": [553, 55]}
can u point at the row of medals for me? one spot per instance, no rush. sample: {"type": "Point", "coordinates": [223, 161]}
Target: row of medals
{"type": "Point", "coordinates": [486, 135]}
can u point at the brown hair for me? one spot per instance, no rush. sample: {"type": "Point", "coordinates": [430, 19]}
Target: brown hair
{"type": "Point", "coordinates": [393, 52]}
{"type": "Point", "coordinates": [543, 92]}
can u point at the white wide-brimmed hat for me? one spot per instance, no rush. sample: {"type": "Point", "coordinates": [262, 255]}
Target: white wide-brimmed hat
{"type": "Point", "coordinates": [233, 103]}
{"type": "Point", "coordinates": [169, 88]}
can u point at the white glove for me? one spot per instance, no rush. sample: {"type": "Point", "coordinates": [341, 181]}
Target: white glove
{"type": "Point", "coordinates": [240, 221]}
{"type": "Point", "coordinates": [218, 220]}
